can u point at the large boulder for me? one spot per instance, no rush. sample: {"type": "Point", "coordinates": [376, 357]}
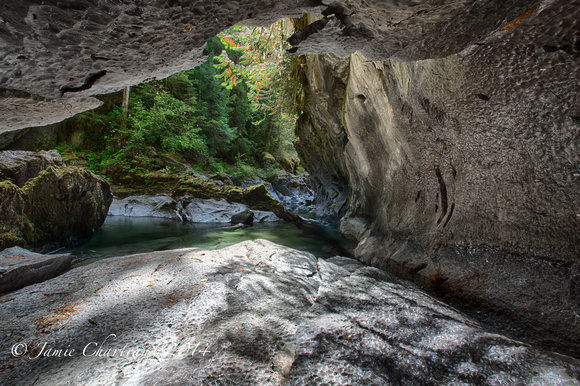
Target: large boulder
{"type": "Point", "coordinates": [54, 207]}
{"type": "Point", "coordinates": [20, 166]}
{"type": "Point", "coordinates": [66, 205]}
{"type": "Point", "coordinates": [258, 197]}
{"type": "Point", "coordinates": [246, 217]}
{"type": "Point", "coordinates": [161, 205]}
{"type": "Point", "coordinates": [199, 210]}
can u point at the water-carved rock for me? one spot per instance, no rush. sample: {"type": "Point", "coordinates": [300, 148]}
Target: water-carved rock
{"type": "Point", "coordinates": [255, 313]}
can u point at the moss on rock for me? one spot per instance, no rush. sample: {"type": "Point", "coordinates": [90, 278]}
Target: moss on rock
{"type": "Point", "coordinates": [9, 240]}
{"type": "Point", "coordinates": [65, 204]}
{"type": "Point", "coordinates": [57, 207]}
{"type": "Point", "coordinates": [257, 197]}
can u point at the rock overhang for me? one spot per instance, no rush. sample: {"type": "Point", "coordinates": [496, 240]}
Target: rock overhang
{"type": "Point", "coordinates": [55, 56]}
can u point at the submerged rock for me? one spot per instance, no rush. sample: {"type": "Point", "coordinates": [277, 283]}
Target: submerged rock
{"type": "Point", "coordinates": [20, 267]}
{"type": "Point", "coordinates": [252, 313]}
{"type": "Point", "coordinates": [246, 217]}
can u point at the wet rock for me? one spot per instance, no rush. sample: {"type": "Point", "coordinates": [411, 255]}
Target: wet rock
{"type": "Point", "coordinates": [294, 192]}
{"type": "Point", "coordinates": [252, 313]}
{"type": "Point", "coordinates": [20, 267]}
{"type": "Point", "coordinates": [198, 210]}
{"type": "Point", "coordinates": [246, 217]}
{"type": "Point", "coordinates": [264, 216]}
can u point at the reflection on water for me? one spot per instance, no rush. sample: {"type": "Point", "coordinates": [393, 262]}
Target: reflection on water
{"type": "Point", "coordinates": [121, 236]}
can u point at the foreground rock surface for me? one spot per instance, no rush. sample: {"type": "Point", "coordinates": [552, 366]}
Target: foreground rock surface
{"type": "Point", "coordinates": [253, 313]}
{"type": "Point", "coordinates": [20, 267]}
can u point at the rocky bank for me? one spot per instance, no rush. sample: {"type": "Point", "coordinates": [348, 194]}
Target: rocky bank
{"type": "Point", "coordinates": [252, 313]}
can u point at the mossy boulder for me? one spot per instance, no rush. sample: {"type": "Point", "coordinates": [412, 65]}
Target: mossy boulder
{"type": "Point", "coordinates": [269, 160]}
{"type": "Point", "coordinates": [257, 197]}
{"type": "Point", "coordinates": [58, 206]}
{"type": "Point", "coordinates": [221, 178]}
{"type": "Point", "coordinates": [13, 222]}
{"type": "Point", "coordinates": [65, 205]}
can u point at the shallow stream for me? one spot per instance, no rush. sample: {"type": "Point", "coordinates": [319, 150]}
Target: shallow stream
{"type": "Point", "coordinates": [120, 236]}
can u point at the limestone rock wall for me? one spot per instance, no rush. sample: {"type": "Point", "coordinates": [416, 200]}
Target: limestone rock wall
{"type": "Point", "coordinates": [449, 170]}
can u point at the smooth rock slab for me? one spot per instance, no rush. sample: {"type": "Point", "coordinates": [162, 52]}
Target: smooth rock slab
{"type": "Point", "coordinates": [20, 267]}
{"type": "Point", "coordinates": [252, 313]}
{"type": "Point", "coordinates": [145, 206]}
{"type": "Point", "coordinates": [376, 330]}
{"type": "Point", "coordinates": [189, 209]}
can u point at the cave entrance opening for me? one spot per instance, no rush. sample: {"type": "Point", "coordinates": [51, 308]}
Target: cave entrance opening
{"type": "Point", "coordinates": [232, 117]}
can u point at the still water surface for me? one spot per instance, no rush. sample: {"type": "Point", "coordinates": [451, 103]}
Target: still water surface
{"type": "Point", "coordinates": [121, 236]}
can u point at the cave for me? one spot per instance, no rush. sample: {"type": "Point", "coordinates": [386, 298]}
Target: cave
{"type": "Point", "coordinates": [441, 136]}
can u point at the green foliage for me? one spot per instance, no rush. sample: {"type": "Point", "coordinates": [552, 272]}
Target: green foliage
{"type": "Point", "coordinates": [255, 60]}
{"type": "Point", "coordinates": [220, 116]}
{"type": "Point", "coordinates": [169, 125]}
